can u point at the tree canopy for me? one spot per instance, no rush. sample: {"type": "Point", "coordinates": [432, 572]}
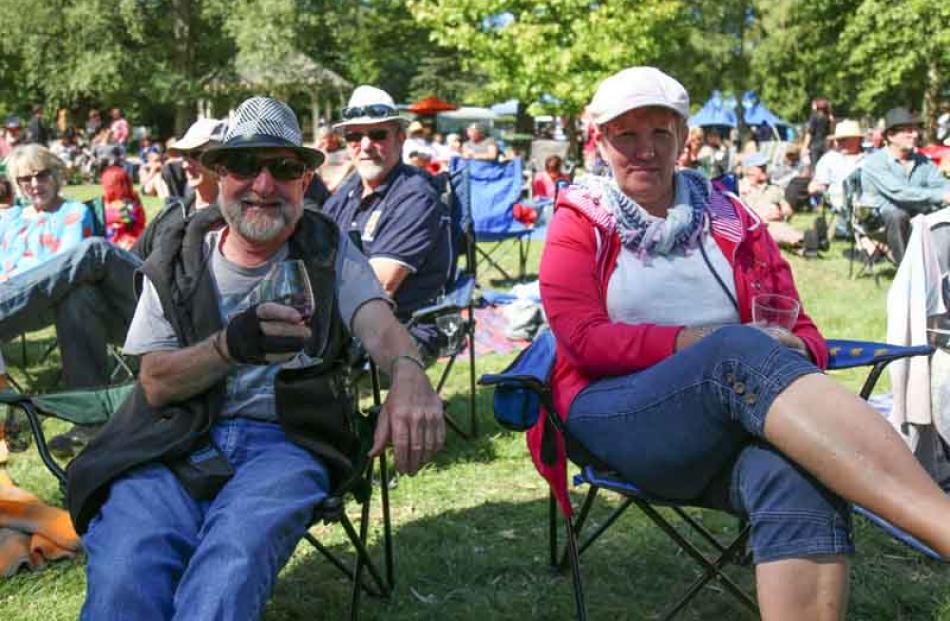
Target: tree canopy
{"type": "Point", "coordinates": [159, 58]}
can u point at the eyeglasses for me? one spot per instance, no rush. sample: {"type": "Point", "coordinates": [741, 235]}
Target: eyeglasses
{"type": "Point", "coordinates": [41, 176]}
{"type": "Point", "coordinates": [248, 166]}
{"type": "Point", "coordinates": [374, 111]}
{"type": "Point", "coordinates": [376, 135]}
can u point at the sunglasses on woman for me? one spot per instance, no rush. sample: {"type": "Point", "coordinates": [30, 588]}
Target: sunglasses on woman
{"type": "Point", "coordinates": [373, 111]}
{"type": "Point", "coordinates": [41, 176]}
{"type": "Point", "coordinates": [249, 165]}
{"type": "Point", "coordinates": [376, 135]}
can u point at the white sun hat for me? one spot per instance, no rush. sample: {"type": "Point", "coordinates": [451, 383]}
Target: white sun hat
{"type": "Point", "coordinates": [369, 105]}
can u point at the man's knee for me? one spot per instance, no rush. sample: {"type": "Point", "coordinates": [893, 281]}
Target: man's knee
{"type": "Point", "coordinates": [895, 216]}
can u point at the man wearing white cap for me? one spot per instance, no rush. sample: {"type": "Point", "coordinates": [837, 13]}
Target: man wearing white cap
{"type": "Point", "coordinates": [201, 189]}
{"type": "Point", "coordinates": [394, 208]}
{"type": "Point", "coordinates": [834, 167]}
{"type": "Point", "coordinates": [198, 489]}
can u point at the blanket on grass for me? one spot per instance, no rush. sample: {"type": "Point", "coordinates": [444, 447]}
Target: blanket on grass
{"type": "Point", "coordinates": [31, 533]}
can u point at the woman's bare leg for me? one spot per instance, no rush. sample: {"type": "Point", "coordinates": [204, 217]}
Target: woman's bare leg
{"type": "Point", "coordinates": [812, 589]}
{"type": "Point", "coordinates": [841, 440]}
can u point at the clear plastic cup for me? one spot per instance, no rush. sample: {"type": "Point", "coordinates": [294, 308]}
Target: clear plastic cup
{"type": "Point", "coordinates": [775, 309]}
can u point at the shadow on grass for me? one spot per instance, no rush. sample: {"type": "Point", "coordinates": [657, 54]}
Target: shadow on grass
{"type": "Point", "coordinates": [490, 562]}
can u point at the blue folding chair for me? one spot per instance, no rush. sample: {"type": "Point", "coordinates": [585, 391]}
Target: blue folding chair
{"type": "Point", "coordinates": [523, 388]}
{"type": "Point", "coordinates": [488, 191]}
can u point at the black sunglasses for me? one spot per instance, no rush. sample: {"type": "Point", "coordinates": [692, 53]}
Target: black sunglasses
{"type": "Point", "coordinates": [376, 135]}
{"type": "Point", "coordinates": [248, 165]}
{"type": "Point", "coordinates": [40, 177]}
{"type": "Point", "coordinates": [374, 111]}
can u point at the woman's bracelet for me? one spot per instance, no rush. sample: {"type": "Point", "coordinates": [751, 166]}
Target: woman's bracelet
{"type": "Point", "coordinates": [414, 359]}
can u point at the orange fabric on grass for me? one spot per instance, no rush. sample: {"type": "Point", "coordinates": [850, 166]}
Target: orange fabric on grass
{"type": "Point", "coordinates": [31, 532]}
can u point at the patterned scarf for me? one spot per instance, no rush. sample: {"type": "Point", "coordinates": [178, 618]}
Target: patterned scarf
{"type": "Point", "coordinates": [645, 234]}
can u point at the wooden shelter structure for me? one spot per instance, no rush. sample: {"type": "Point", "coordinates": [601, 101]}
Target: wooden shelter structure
{"type": "Point", "coordinates": [294, 75]}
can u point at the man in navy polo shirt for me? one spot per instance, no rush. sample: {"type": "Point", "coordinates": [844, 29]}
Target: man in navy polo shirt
{"type": "Point", "coordinates": [395, 208]}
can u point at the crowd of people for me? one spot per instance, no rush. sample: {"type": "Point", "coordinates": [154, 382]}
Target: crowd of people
{"type": "Point", "coordinates": [647, 279]}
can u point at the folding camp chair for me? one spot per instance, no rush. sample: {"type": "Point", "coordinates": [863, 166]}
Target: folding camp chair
{"type": "Point", "coordinates": [869, 238]}
{"type": "Point", "coordinates": [446, 312]}
{"type": "Point", "coordinates": [489, 191]}
{"type": "Point", "coordinates": [95, 407]}
{"type": "Point", "coordinates": [454, 311]}
{"type": "Point", "coordinates": [121, 367]}
{"type": "Point", "coordinates": [523, 388]}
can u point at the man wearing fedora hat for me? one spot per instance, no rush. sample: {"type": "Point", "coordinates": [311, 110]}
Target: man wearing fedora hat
{"type": "Point", "coordinates": [196, 492]}
{"type": "Point", "coordinates": [899, 182]}
{"type": "Point", "coordinates": [835, 165]}
{"type": "Point", "coordinates": [394, 208]}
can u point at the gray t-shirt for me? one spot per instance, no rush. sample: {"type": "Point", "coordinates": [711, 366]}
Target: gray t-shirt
{"type": "Point", "coordinates": [249, 388]}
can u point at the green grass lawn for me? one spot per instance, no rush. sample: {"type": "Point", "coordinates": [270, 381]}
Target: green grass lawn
{"type": "Point", "coordinates": [470, 529]}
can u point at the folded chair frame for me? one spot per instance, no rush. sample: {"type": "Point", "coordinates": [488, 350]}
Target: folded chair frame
{"type": "Point", "coordinates": [530, 375]}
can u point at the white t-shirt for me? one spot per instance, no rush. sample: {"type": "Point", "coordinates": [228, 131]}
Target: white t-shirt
{"type": "Point", "coordinates": [672, 290]}
{"type": "Point", "coordinates": [832, 169]}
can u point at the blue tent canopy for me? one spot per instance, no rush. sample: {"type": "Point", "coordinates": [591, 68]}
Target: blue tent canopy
{"type": "Point", "coordinates": [717, 110]}
{"type": "Point", "coordinates": [755, 112]}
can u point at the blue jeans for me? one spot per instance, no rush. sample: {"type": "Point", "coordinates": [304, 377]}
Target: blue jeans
{"type": "Point", "coordinates": [690, 429]}
{"type": "Point", "coordinates": [156, 553]}
{"type": "Point", "coordinates": [87, 293]}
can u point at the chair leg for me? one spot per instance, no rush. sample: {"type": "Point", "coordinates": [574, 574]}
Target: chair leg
{"type": "Point", "coordinates": [552, 530]}
{"type": "Point", "coordinates": [580, 603]}
{"type": "Point", "coordinates": [579, 523]}
{"type": "Point", "coordinates": [36, 428]}
{"type": "Point", "coordinates": [487, 257]}
{"type": "Point", "coordinates": [712, 569]}
{"type": "Point", "coordinates": [472, 414]}
{"type": "Point", "coordinates": [387, 521]}
{"type": "Point", "coordinates": [603, 527]}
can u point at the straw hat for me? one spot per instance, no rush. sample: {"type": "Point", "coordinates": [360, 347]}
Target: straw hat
{"type": "Point", "coordinates": [846, 128]}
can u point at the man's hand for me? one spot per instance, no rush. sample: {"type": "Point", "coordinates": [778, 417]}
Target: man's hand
{"type": "Point", "coordinates": [411, 418]}
{"type": "Point", "coordinates": [265, 333]}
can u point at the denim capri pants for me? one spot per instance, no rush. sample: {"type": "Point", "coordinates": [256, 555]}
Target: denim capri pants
{"type": "Point", "coordinates": [690, 427]}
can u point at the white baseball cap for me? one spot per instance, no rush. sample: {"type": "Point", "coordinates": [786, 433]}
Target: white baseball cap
{"type": "Point", "coordinates": [369, 105]}
{"type": "Point", "coordinates": [637, 87]}
{"type": "Point", "coordinates": [200, 134]}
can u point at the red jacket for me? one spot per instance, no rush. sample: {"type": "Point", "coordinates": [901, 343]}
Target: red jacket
{"type": "Point", "coordinates": [579, 256]}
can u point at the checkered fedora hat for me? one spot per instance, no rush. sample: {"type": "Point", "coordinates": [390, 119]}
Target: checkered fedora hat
{"type": "Point", "coordinates": [263, 123]}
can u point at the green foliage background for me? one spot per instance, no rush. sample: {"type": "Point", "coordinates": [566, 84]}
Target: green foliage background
{"type": "Point", "coordinates": [159, 58]}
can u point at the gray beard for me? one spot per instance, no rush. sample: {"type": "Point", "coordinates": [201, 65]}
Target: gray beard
{"type": "Point", "coordinates": [370, 171]}
{"type": "Point", "coordinates": [261, 229]}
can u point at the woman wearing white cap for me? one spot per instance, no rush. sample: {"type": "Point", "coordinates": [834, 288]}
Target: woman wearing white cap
{"type": "Point", "coordinates": [647, 279]}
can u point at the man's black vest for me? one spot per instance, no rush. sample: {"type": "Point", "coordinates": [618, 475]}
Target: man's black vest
{"type": "Point", "coordinates": [314, 403]}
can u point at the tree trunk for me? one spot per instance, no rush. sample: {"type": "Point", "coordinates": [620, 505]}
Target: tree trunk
{"type": "Point", "coordinates": [182, 14]}
{"type": "Point", "coordinates": [931, 100]}
{"type": "Point", "coordinates": [573, 146]}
